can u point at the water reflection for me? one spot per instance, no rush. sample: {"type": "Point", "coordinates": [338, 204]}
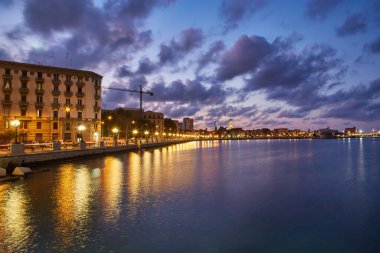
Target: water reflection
{"type": "Point", "coordinates": [16, 229]}
{"type": "Point", "coordinates": [72, 196]}
{"type": "Point", "coordinates": [112, 179]}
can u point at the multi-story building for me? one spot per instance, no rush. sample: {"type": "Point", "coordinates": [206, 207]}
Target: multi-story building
{"type": "Point", "coordinates": [50, 102]}
{"type": "Point", "coordinates": [156, 118]}
{"type": "Point", "coordinates": [188, 124]}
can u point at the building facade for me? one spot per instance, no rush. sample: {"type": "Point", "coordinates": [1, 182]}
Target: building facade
{"type": "Point", "coordinates": [50, 102]}
{"type": "Point", "coordinates": [156, 118]}
{"type": "Point", "coordinates": [188, 124]}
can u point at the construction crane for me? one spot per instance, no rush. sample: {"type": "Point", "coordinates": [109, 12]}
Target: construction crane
{"type": "Point", "coordinates": [150, 93]}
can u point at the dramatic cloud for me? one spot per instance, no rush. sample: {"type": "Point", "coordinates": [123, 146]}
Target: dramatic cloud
{"type": "Point", "coordinates": [354, 23]}
{"type": "Point", "coordinates": [245, 55]}
{"type": "Point", "coordinates": [123, 71]}
{"type": "Point", "coordinates": [211, 55]}
{"type": "Point", "coordinates": [191, 91]}
{"type": "Point", "coordinates": [189, 40]}
{"type": "Point", "coordinates": [233, 11]}
{"type": "Point", "coordinates": [145, 67]}
{"type": "Point", "coordinates": [232, 111]}
{"type": "Point", "coordinates": [318, 9]}
{"type": "Point", "coordinates": [374, 47]}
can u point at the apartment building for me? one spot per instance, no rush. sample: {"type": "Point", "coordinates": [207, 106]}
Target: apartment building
{"type": "Point", "coordinates": [50, 102]}
{"type": "Point", "coordinates": [156, 118]}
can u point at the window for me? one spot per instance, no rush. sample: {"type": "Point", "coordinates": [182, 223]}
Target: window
{"type": "Point", "coordinates": [6, 111]}
{"type": "Point", "coordinates": [80, 79]}
{"type": "Point", "coordinates": [68, 78]}
{"type": "Point", "coordinates": [67, 127]}
{"type": "Point", "coordinates": [23, 98]}
{"type": "Point", "coordinates": [39, 113]}
{"type": "Point", "coordinates": [67, 101]}
{"type": "Point", "coordinates": [55, 87]}
{"type": "Point", "coordinates": [56, 77]}
{"type": "Point", "coordinates": [68, 115]}
{"type": "Point", "coordinates": [23, 112]}
{"type": "Point", "coordinates": [38, 136]}
{"type": "Point", "coordinates": [39, 86]}
{"type": "Point", "coordinates": [55, 114]}
{"type": "Point", "coordinates": [55, 125]}
{"type": "Point", "coordinates": [54, 137]}
{"type": "Point", "coordinates": [79, 115]}
{"type": "Point", "coordinates": [7, 84]}
{"type": "Point", "coordinates": [7, 97]}
{"type": "Point", "coordinates": [96, 115]}
{"type": "Point", "coordinates": [96, 103]}
{"type": "Point", "coordinates": [39, 75]}
{"type": "Point", "coordinates": [40, 99]}
{"type": "Point", "coordinates": [55, 100]}
{"type": "Point", "coordinates": [7, 71]}
{"type": "Point", "coordinates": [24, 73]}
{"type": "Point", "coordinates": [79, 101]}
{"type": "Point", "coordinates": [79, 90]}
{"type": "Point", "coordinates": [24, 85]}
{"type": "Point", "coordinates": [23, 124]}
{"type": "Point", "coordinates": [39, 125]}
{"type": "Point", "coordinates": [68, 88]}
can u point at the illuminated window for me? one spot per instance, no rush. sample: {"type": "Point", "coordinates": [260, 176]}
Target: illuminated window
{"type": "Point", "coordinates": [39, 99]}
{"type": "Point", "coordinates": [39, 113]}
{"type": "Point", "coordinates": [39, 86]}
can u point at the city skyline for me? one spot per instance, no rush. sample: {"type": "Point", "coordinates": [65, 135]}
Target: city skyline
{"type": "Point", "coordinates": [304, 64]}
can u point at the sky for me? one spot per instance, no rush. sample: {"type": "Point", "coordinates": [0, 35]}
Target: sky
{"type": "Point", "coordinates": [300, 64]}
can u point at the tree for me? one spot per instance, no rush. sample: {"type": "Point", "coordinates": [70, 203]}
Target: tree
{"type": "Point", "coordinates": [170, 125]}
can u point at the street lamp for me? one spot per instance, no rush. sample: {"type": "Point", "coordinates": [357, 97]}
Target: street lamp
{"type": "Point", "coordinates": [115, 131]}
{"type": "Point", "coordinates": [109, 123]}
{"type": "Point", "coordinates": [81, 128]}
{"type": "Point", "coordinates": [15, 123]}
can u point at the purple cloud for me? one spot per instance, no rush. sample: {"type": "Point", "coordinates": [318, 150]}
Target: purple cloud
{"type": "Point", "coordinates": [354, 23]}
{"type": "Point", "coordinates": [319, 9]}
{"type": "Point", "coordinates": [233, 11]}
{"type": "Point", "coordinates": [189, 40]}
{"type": "Point", "coordinates": [211, 55]}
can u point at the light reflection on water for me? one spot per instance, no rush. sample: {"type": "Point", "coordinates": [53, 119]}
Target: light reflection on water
{"type": "Point", "coordinates": [211, 196]}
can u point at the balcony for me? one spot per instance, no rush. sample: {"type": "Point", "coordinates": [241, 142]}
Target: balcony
{"type": "Point", "coordinates": [80, 84]}
{"type": "Point", "coordinates": [68, 93]}
{"type": "Point", "coordinates": [39, 104]}
{"type": "Point", "coordinates": [7, 76]}
{"type": "Point", "coordinates": [97, 96]}
{"type": "Point", "coordinates": [55, 105]}
{"type": "Point", "coordinates": [97, 86]}
{"type": "Point", "coordinates": [7, 103]}
{"type": "Point", "coordinates": [68, 106]}
{"type": "Point", "coordinates": [24, 103]}
{"type": "Point", "coordinates": [79, 107]}
{"type": "Point", "coordinates": [56, 81]}
{"type": "Point", "coordinates": [56, 92]}
{"type": "Point", "coordinates": [7, 89]}
{"type": "Point", "coordinates": [24, 78]}
{"type": "Point", "coordinates": [68, 82]}
{"type": "Point", "coordinates": [80, 94]}
{"type": "Point", "coordinates": [39, 80]}
{"type": "Point", "coordinates": [96, 108]}
{"type": "Point", "coordinates": [24, 90]}
{"type": "Point", "coordinates": [40, 92]}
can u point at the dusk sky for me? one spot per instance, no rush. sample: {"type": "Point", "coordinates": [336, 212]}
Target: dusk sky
{"type": "Point", "coordinates": [263, 63]}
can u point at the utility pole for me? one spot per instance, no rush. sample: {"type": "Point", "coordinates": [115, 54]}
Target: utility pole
{"type": "Point", "coordinates": [140, 90]}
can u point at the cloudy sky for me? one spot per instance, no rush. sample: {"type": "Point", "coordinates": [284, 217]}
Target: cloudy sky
{"type": "Point", "coordinates": [263, 63]}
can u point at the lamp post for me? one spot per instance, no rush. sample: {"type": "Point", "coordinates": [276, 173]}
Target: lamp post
{"type": "Point", "coordinates": [81, 128]}
{"type": "Point", "coordinates": [109, 123]}
{"type": "Point", "coordinates": [115, 131]}
{"type": "Point", "coordinates": [15, 123]}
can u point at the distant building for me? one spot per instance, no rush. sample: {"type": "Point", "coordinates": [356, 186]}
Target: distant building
{"type": "Point", "coordinates": [188, 124]}
{"type": "Point", "coordinates": [156, 118]}
{"type": "Point", "coordinates": [50, 102]}
{"type": "Point", "coordinates": [350, 131]}
{"type": "Point", "coordinates": [178, 125]}
{"type": "Point", "coordinates": [230, 124]}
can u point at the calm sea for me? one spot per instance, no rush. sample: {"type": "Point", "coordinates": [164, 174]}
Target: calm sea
{"type": "Point", "coordinates": [212, 196]}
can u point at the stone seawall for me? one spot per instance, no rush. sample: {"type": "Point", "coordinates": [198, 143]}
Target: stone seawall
{"type": "Point", "coordinates": [60, 155]}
